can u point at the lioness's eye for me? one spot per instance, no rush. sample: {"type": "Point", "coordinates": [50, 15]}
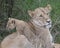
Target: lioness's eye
{"type": "Point", "coordinates": [41, 16]}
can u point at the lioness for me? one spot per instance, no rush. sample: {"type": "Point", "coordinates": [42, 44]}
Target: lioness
{"type": "Point", "coordinates": [38, 26]}
{"type": "Point", "coordinates": [16, 41]}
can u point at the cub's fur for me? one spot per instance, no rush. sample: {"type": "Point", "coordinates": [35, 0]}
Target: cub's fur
{"type": "Point", "coordinates": [37, 30]}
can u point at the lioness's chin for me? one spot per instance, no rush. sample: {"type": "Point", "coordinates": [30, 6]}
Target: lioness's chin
{"type": "Point", "coordinates": [48, 26]}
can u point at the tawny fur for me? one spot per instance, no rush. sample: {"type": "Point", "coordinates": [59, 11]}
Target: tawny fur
{"type": "Point", "coordinates": [39, 35]}
{"type": "Point", "coordinates": [16, 41]}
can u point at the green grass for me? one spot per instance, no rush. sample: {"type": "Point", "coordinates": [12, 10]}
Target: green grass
{"type": "Point", "coordinates": [21, 7]}
{"type": "Point", "coordinates": [25, 5]}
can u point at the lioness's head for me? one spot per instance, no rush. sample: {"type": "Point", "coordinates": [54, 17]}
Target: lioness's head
{"type": "Point", "coordinates": [40, 16]}
{"type": "Point", "coordinates": [10, 24]}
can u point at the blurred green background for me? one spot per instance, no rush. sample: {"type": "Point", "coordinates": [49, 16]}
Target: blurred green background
{"type": "Point", "coordinates": [18, 9]}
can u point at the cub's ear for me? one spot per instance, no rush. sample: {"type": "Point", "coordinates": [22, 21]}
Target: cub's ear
{"type": "Point", "coordinates": [31, 13]}
{"type": "Point", "coordinates": [13, 21]}
{"type": "Point", "coordinates": [9, 18]}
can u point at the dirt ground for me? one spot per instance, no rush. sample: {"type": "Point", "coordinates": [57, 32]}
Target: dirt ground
{"type": "Point", "coordinates": [57, 45]}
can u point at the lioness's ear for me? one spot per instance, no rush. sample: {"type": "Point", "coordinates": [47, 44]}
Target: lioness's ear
{"type": "Point", "coordinates": [31, 13]}
{"type": "Point", "coordinates": [49, 7]}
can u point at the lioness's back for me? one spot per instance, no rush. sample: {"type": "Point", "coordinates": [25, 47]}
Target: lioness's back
{"type": "Point", "coordinates": [7, 40]}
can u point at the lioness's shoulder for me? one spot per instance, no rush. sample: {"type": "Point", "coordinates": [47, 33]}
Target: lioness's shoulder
{"type": "Point", "coordinates": [19, 20]}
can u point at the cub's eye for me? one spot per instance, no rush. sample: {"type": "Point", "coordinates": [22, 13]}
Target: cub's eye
{"type": "Point", "coordinates": [47, 13]}
{"type": "Point", "coordinates": [41, 16]}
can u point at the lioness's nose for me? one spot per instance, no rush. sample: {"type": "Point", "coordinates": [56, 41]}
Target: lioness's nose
{"type": "Point", "coordinates": [48, 21]}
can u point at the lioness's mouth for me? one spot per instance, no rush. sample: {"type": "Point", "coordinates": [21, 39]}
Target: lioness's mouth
{"type": "Point", "coordinates": [48, 26]}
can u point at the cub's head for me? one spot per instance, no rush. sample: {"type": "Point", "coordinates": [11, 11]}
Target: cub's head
{"type": "Point", "coordinates": [10, 24]}
{"type": "Point", "coordinates": [40, 16]}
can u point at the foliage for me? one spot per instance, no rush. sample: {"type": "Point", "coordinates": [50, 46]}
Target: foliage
{"type": "Point", "coordinates": [19, 11]}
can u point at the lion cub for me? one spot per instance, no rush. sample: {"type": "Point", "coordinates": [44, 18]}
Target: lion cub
{"type": "Point", "coordinates": [37, 30]}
